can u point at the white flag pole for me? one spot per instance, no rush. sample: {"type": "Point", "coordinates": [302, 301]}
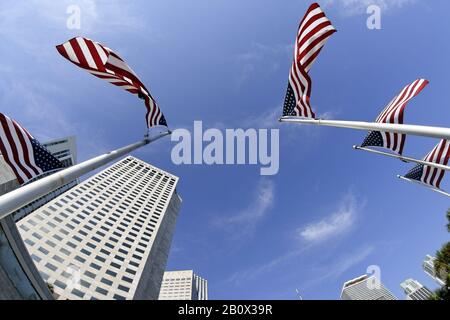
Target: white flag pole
{"type": "Point", "coordinates": [20, 197]}
{"type": "Point", "coordinates": [417, 130]}
{"type": "Point", "coordinates": [404, 158]}
{"type": "Point", "coordinates": [424, 185]}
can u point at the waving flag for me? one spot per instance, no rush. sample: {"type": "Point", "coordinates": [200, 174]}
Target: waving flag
{"type": "Point", "coordinates": [313, 32]}
{"type": "Point", "coordinates": [430, 175]}
{"type": "Point", "coordinates": [393, 113]}
{"type": "Point", "coordinates": [24, 154]}
{"type": "Point", "coordinates": [105, 64]}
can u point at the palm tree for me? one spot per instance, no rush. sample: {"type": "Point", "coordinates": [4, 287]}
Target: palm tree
{"type": "Point", "coordinates": [442, 268]}
{"type": "Point", "coordinates": [442, 262]}
{"type": "Point", "coordinates": [448, 218]}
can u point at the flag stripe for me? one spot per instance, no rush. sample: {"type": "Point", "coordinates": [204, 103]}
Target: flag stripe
{"type": "Point", "coordinates": [314, 30]}
{"type": "Point", "coordinates": [105, 64]}
{"type": "Point", "coordinates": [432, 176]}
{"type": "Point", "coordinates": [394, 113]}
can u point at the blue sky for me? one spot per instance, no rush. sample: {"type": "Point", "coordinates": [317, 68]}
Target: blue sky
{"type": "Point", "coordinates": [331, 211]}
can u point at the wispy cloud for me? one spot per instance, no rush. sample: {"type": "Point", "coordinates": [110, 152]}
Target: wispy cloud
{"type": "Point", "coordinates": [245, 221]}
{"type": "Point", "coordinates": [49, 16]}
{"type": "Point", "coordinates": [338, 223]}
{"type": "Point", "coordinates": [335, 224]}
{"type": "Point", "coordinates": [335, 269]}
{"type": "Point", "coordinates": [261, 59]}
{"type": "Point", "coordinates": [239, 277]}
{"type": "Point", "coordinates": [355, 7]}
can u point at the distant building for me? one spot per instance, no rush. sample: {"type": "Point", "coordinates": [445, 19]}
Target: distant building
{"type": "Point", "coordinates": [108, 237]}
{"type": "Point", "coordinates": [365, 288]}
{"type": "Point", "coordinates": [414, 290]}
{"type": "Point", "coordinates": [64, 150]}
{"type": "Point", "coordinates": [428, 267]}
{"type": "Point", "coordinates": [183, 285]}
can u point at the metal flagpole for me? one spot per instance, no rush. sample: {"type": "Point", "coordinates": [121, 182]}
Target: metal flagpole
{"type": "Point", "coordinates": [417, 130]}
{"type": "Point", "coordinates": [20, 197]}
{"type": "Point", "coordinates": [425, 185]}
{"type": "Point", "coordinates": [405, 159]}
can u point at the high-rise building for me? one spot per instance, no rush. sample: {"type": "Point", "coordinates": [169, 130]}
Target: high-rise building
{"type": "Point", "coordinates": [183, 285]}
{"type": "Point", "coordinates": [428, 267]}
{"type": "Point", "coordinates": [414, 290]}
{"type": "Point", "coordinates": [64, 150]}
{"type": "Point", "coordinates": [108, 237]}
{"type": "Point", "coordinates": [365, 288]}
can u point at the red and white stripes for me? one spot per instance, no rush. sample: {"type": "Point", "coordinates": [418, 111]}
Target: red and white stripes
{"type": "Point", "coordinates": [105, 64]}
{"type": "Point", "coordinates": [16, 148]}
{"type": "Point", "coordinates": [393, 113]}
{"type": "Point", "coordinates": [313, 32]}
{"type": "Point", "coordinates": [440, 155]}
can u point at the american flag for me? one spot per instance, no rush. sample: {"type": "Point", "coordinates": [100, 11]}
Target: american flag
{"type": "Point", "coordinates": [105, 64]}
{"type": "Point", "coordinates": [313, 32]}
{"type": "Point", "coordinates": [23, 153]}
{"type": "Point", "coordinates": [393, 113]}
{"type": "Point", "coordinates": [430, 175]}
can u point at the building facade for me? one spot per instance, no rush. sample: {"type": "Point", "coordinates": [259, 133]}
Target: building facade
{"type": "Point", "coordinates": [109, 237]}
{"type": "Point", "coordinates": [365, 288]}
{"type": "Point", "coordinates": [183, 285]}
{"type": "Point", "coordinates": [19, 278]}
{"type": "Point", "coordinates": [414, 290]}
{"type": "Point", "coordinates": [428, 268]}
{"type": "Point", "coordinates": [64, 150]}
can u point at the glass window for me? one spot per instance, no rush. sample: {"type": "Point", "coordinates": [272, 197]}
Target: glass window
{"type": "Point", "coordinates": [51, 266]}
{"type": "Point", "coordinates": [106, 281]}
{"type": "Point", "coordinates": [60, 284]}
{"type": "Point", "coordinates": [101, 291]}
{"type": "Point", "coordinates": [78, 293]}
{"type": "Point", "coordinates": [123, 288]}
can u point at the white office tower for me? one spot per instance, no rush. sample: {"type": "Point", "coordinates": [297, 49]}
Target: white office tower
{"type": "Point", "coordinates": [108, 237]}
{"type": "Point", "coordinates": [183, 285]}
{"type": "Point", "coordinates": [414, 290]}
{"type": "Point", "coordinates": [428, 267]}
{"type": "Point", "coordinates": [366, 288]}
{"type": "Point", "coordinates": [64, 150]}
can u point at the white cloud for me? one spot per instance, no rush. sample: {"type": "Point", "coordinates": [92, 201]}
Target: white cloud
{"type": "Point", "coordinates": [335, 224]}
{"type": "Point", "coordinates": [245, 221]}
{"type": "Point", "coordinates": [259, 58]}
{"type": "Point", "coordinates": [245, 275]}
{"type": "Point", "coordinates": [96, 16]}
{"type": "Point", "coordinates": [339, 266]}
{"type": "Point", "coordinates": [354, 7]}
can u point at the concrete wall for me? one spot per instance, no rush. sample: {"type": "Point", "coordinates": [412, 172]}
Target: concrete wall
{"type": "Point", "coordinates": [152, 276]}
{"type": "Point", "coordinates": [19, 277]}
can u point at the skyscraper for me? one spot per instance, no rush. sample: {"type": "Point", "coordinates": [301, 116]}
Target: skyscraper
{"type": "Point", "coordinates": [108, 237]}
{"type": "Point", "coordinates": [414, 290]}
{"type": "Point", "coordinates": [64, 150]}
{"type": "Point", "coordinates": [183, 285]}
{"type": "Point", "coordinates": [365, 288]}
{"type": "Point", "coordinates": [428, 267]}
